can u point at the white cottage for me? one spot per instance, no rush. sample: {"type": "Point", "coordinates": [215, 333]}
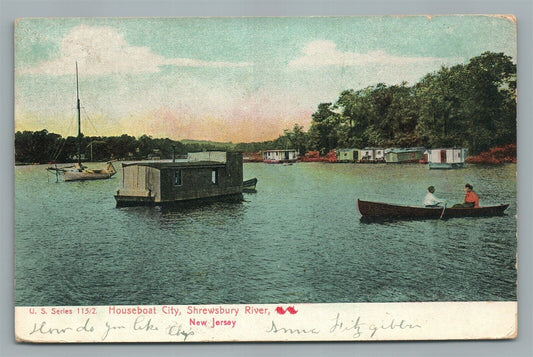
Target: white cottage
{"type": "Point", "coordinates": [447, 158]}
{"type": "Point", "coordinates": [371, 155]}
{"type": "Point", "coordinates": [280, 156]}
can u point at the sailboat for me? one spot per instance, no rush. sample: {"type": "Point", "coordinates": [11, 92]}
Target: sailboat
{"type": "Point", "coordinates": [79, 171]}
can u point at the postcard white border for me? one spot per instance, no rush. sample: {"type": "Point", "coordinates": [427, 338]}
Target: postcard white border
{"type": "Point", "coordinates": [267, 322]}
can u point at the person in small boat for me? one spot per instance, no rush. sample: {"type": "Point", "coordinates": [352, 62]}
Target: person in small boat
{"type": "Point", "coordinates": [431, 201]}
{"type": "Point", "coordinates": [471, 198]}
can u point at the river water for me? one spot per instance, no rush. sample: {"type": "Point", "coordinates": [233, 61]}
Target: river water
{"type": "Point", "coordinates": [298, 239]}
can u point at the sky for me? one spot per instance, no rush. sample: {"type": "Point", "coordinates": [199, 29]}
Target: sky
{"type": "Point", "coordinates": [240, 79]}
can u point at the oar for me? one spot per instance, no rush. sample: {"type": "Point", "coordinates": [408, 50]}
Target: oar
{"type": "Point", "coordinates": [444, 209]}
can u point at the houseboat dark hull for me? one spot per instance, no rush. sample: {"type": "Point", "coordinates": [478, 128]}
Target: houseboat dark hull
{"type": "Point", "coordinates": [280, 161]}
{"type": "Point", "coordinates": [447, 166]}
{"type": "Point", "coordinates": [387, 211]}
{"type": "Point", "coordinates": [132, 201]}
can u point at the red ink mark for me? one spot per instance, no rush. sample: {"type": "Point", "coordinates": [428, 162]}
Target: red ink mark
{"type": "Point", "coordinates": [280, 310]}
{"type": "Point", "coordinates": [292, 310]}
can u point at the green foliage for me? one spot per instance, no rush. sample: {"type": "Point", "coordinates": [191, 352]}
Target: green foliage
{"type": "Point", "coordinates": [297, 138]}
{"type": "Point", "coordinates": [34, 147]}
{"type": "Point", "coordinates": [472, 105]}
{"type": "Point", "coordinates": [324, 133]}
{"type": "Point", "coordinates": [43, 147]}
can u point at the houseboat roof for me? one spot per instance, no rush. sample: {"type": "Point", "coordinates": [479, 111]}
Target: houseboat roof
{"type": "Point", "coordinates": [275, 150]}
{"type": "Point", "coordinates": [398, 150]}
{"type": "Point", "coordinates": [160, 165]}
{"type": "Point", "coordinates": [346, 150]}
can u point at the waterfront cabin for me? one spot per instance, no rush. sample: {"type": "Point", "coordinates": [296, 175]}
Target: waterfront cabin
{"type": "Point", "coordinates": [347, 155]}
{"type": "Point", "coordinates": [404, 155]}
{"type": "Point", "coordinates": [203, 176]}
{"type": "Point", "coordinates": [447, 158]}
{"type": "Point", "coordinates": [371, 155]}
{"type": "Point", "coordinates": [280, 156]}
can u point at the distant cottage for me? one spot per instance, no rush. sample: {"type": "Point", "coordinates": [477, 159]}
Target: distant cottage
{"type": "Point", "coordinates": [202, 176]}
{"type": "Point", "coordinates": [451, 158]}
{"type": "Point", "coordinates": [371, 155]}
{"type": "Point", "coordinates": [347, 155]}
{"type": "Point", "coordinates": [404, 155]}
{"type": "Point", "coordinates": [280, 156]}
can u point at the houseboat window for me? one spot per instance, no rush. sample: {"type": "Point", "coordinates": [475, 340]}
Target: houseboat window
{"type": "Point", "coordinates": [214, 176]}
{"type": "Point", "coordinates": [176, 178]}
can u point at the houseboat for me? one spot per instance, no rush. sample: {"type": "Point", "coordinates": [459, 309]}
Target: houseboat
{"type": "Point", "coordinates": [404, 155]}
{"type": "Point", "coordinates": [347, 155]}
{"type": "Point", "coordinates": [280, 156]}
{"type": "Point", "coordinates": [371, 155]}
{"type": "Point", "coordinates": [203, 176]}
{"type": "Point", "coordinates": [448, 158]}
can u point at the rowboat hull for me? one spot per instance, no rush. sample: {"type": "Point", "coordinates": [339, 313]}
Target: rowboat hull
{"type": "Point", "coordinates": [84, 176]}
{"type": "Point", "coordinates": [249, 185]}
{"type": "Point", "coordinates": [383, 210]}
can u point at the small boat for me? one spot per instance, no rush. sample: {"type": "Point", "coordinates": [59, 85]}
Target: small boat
{"type": "Point", "coordinates": [249, 185]}
{"type": "Point", "coordinates": [388, 211]}
{"type": "Point", "coordinates": [80, 172]}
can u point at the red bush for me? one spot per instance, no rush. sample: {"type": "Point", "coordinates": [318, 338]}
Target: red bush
{"type": "Point", "coordinates": [314, 156]}
{"type": "Point", "coordinates": [331, 156]}
{"type": "Point", "coordinates": [252, 157]}
{"type": "Point", "coordinates": [498, 155]}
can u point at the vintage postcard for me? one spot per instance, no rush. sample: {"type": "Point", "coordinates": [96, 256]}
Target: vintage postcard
{"type": "Point", "coordinates": [265, 179]}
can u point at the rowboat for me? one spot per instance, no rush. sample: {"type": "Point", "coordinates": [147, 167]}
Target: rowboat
{"type": "Point", "coordinates": [249, 185]}
{"type": "Point", "coordinates": [384, 210]}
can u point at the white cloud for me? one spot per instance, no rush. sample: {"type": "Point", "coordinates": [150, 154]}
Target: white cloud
{"type": "Point", "coordinates": [102, 50]}
{"type": "Point", "coordinates": [325, 53]}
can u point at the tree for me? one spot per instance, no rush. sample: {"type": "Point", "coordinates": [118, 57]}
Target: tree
{"type": "Point", "coordinates": [38, 146]}
{"type": "Point", "coordinates": [438, 101]}
{"type": "Point", "coordinates": [491, 103]}
{"type": "Point", "coordinates": [472, 105]}
{"type": "Point", "coordinates": [323, 132]}
{"type": "Point", "coordinates": [297, 138]}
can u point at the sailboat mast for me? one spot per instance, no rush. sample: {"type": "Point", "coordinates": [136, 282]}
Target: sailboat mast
{"type": "Point", "coordinates": [79, 115]}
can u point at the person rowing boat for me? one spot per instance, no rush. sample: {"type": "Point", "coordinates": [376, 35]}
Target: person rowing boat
{"type": "Point", "coordinates": [431, 200]}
